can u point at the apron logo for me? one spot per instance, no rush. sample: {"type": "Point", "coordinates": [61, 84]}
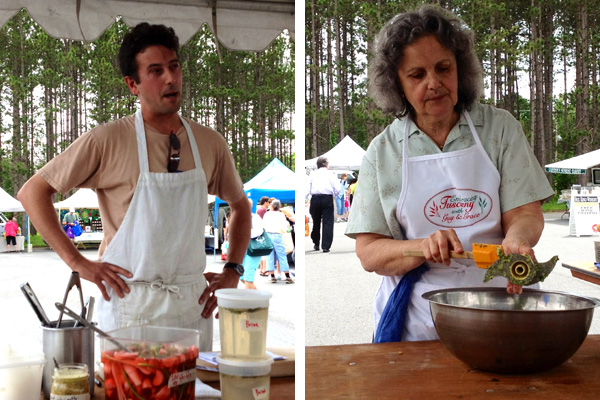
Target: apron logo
{"type": "Point", "coordinates": [458, 208]}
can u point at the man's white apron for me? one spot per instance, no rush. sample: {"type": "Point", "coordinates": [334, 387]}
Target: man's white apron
{"type": "Point", "coordinates": [161, 242]}
{"type": "Point", "coordinates": [458, 190]}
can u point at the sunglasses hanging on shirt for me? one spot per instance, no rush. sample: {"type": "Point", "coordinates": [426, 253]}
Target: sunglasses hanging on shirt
{"type": "Point", "coordinates": [174, 144]}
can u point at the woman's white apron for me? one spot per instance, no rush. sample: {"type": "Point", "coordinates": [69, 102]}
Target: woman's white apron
{"type": "Point", "coordinates": [458, 190]}
{"type": "Point", "coordinates": [161, 242]}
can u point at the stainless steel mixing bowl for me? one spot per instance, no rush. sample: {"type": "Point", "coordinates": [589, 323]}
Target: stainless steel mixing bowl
{"type": "Point", "coordinates": [515, 334]}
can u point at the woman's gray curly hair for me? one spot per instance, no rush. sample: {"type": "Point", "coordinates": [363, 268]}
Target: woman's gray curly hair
{"type": "Point", "coordinates": [403, 30]}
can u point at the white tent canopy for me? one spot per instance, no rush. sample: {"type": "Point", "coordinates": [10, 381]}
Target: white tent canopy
{"type": "Point", "coordinates": [239, 25]}
{"type": "Point", "coordinates": [83, 198]}
{"type": "Point", "coordinates": [577, 165]}
{"type": "Point", "coordinates": [346, 155]}
{"type": "Point", "coordinates": [9, 203]}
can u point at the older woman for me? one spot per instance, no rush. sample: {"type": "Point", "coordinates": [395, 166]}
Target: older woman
{"type": "Point", "coordinates": [275, 224]}
{"type": "Point", "coordinates": [448, 172]}
{"type": "Point", "coordinates": [251, 263]}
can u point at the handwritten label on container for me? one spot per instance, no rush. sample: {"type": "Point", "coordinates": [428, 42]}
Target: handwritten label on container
{"type": "Point", "coordinates": [252, 325]}
{"type": "Point", "coordinates": [179, 378]}
{"type": "Point", "coordinates": [261, 392]}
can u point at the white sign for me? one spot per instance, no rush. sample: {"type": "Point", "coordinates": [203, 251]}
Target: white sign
{"type": "Point", "coordinates": [585, 209]}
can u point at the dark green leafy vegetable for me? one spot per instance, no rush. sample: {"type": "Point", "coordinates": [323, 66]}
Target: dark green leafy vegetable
{"type": "Point", "coordinates": [520, 269]}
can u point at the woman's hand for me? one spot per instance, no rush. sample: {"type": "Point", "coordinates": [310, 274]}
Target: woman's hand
{"type": "Point", "coordinates": [437, 246]}
{"type": "Point", "coordinates": [517, 245]}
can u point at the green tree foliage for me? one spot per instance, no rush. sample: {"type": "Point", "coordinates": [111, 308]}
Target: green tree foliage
{"type": "Point", "coordinates": [542, 39]}
{"type": "Point", "coordinates": [54, 90]}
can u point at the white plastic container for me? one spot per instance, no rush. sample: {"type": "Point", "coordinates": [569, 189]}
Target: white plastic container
{"type": "Point", "coordinates": [243, 316]}
{"type": "Point", "coordinates": [245, 380]}
{"type": "Point", "coordinates": [20, 373]}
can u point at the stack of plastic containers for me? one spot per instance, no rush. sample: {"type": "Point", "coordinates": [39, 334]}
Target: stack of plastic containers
{"type": "Point", "coordinates": [244, 365]}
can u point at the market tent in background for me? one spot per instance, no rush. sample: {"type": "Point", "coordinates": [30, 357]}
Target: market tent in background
{"type": "Point", "coordinates": [577, 165]}
{"type": "Point", "coordinates": [83, 198]}
{"type": "Point", "coordinates": [9, 203]}
{"type": "Point", "coordinates": [275, 180]}
{"type": "Point", "coordinates": [346, 155]}
{"type": "Point", "coordinates": [239, 25]}
{"type": "Point", "coordinates": [91, 225]}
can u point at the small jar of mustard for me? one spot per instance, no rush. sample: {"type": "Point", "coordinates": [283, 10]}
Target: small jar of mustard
{"type": "Point", "coordinates": [70, 382]}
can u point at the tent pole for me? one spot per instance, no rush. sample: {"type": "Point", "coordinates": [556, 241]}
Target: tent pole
{"type": "Point", "coordinates": [29, 245]}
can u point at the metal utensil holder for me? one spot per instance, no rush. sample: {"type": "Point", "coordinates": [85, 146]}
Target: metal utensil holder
{"type": "Point", "coordinates": [67, 344]}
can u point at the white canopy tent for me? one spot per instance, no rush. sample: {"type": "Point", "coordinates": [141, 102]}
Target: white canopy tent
{"type": "Point", "coordinates": [9, 203]}
{"type": "Point", "coordinates": [577, 165]}
{"type": "Point", "coordinates": [346, 155]}
{"type": "Point", "coordinates": [83, 198]}
{"type": "Point", "coordinates": [239, 25]}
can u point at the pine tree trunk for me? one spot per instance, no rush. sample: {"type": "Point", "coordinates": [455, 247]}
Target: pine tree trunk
{"type": "Point", "coordinates": [341, 80]}
{"type": "Point", "coordinates": [314, 74]}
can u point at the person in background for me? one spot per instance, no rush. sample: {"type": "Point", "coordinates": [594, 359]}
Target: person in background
{"type": "Point", "coordinates": [275, 224]}
{"type": "Point", "coordinates": [250, 262]}
{"type": "Point", "coordinates": [263, 206]}
{"type": "Point", "coordinates": [69, 221]}
{"type": "Point", "coordinates": [446, 173]}
{"type": "Point", "coordinates": [340, 199]}
{"type": "Point", "coordinates": [11, 229]}
{"type": "Point", "coordinates": [151, 169]}
{"type": "Point", "coordinates": [70, 218]}
{"type": "Point", "coordinates": [351, 190]}
{"type": "Point", "coordinates": [323, 188]}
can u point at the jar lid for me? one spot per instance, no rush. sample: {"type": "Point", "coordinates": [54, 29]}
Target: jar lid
{"type": "Point", "coordinates": [71, 371]}
{"type": "Point", "coordinates": [245, 368]}
{"type": "Point", "coordinates": [243, 298]}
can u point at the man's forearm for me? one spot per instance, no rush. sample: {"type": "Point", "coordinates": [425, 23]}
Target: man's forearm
{"type": "Point", "coordinates": [36, 197]}
{"type": "Point", "coordinates": [239, 231]}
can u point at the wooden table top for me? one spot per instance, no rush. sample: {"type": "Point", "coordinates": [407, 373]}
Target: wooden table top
{"type": "Point", "coordinates": [584, 270]}
{"type": "Point", "coordinates": [427, 370]}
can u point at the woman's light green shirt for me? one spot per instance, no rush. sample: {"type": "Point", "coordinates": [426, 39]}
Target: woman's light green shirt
{"type": "Point", "coordinates": [380, 179]}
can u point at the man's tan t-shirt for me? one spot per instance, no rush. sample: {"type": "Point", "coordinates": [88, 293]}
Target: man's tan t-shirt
{"type": "Point", "coordinates": [106, 159]}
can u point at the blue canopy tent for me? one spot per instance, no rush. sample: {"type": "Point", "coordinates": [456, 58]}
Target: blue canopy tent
{"type": "Point", "coordinates": [275, 180]}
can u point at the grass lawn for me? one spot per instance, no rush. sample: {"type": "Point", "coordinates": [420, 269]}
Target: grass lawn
{"type": "Point", "coordinates": [37, 241]}
{"type": "Point", "coordinates": [553, 206]}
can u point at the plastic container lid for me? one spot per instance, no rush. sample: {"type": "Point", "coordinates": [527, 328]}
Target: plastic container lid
{"type": "Point", "coordinates": [19, 354]}
{"type": "Point", "coordinates": [243, 298]}
{"type": "Point", "coordinates": [245, 368]}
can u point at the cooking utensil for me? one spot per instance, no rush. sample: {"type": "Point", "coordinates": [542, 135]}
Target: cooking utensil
{"type": "Point", "coordinates": [35, 303]}
{"type": "Point", "coordinates": [66, 310]}
{"type": "Point", "coordinates": [520, 269]}
{"type": "Point", "coordinates": [517, 268]}
{"type": "Point", "coordinates": [73, 281]}
{"type": "Point", "coordinates": [483, 254]}
{"type": "Point", "coordinates": [66, 345]}
{"type": "Point", "coordinates": [90, 308]}
{"type": "Point", "coordinates": [499, 332]}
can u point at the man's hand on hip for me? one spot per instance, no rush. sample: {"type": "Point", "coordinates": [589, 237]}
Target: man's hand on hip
{"type": "Point", "coordinates": [228, 279]}
{"type": "Point", "coordinates": [99, 272]}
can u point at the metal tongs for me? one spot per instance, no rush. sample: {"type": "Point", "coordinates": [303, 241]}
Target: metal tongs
{"type": "Point", "coordinates": [73, 281]}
